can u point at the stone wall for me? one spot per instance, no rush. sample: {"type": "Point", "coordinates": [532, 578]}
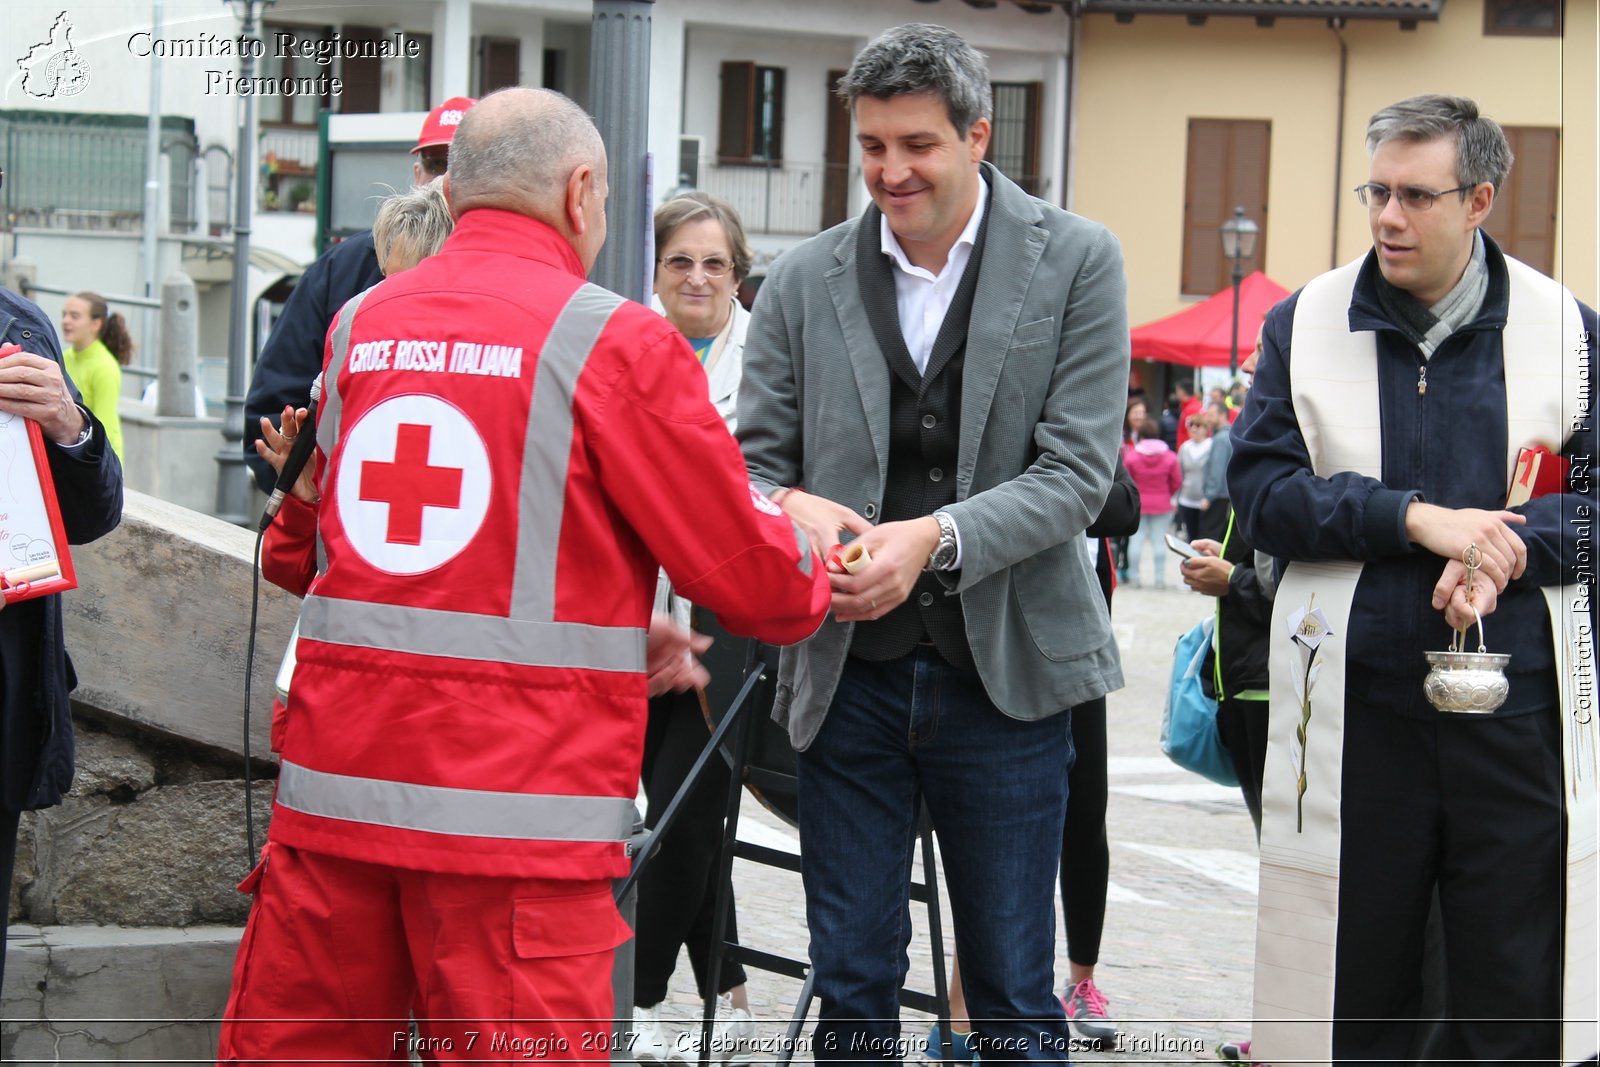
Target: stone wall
{"type": "Point", "coordinates": [152, 834]}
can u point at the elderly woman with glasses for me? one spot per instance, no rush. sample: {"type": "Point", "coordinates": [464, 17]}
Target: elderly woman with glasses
{"type": "Point", "coordinates": [701, 257]}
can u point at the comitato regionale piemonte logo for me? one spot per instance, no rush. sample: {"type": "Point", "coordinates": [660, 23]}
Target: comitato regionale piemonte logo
{"type": "Point", "coordinates": [53, 67]}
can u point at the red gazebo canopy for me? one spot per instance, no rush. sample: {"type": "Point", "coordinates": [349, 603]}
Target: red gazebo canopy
{"type": "Point", "coordinates": [1201, 336]}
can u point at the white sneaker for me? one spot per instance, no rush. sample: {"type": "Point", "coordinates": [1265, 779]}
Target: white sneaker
{"type": "Point", "coordinates": [646, 1041]}
{"type": "Point", "coordinates": [733, 1035]}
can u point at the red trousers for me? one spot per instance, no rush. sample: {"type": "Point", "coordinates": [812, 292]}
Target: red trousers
{"type": "Point", "coordinates": [338, 956]}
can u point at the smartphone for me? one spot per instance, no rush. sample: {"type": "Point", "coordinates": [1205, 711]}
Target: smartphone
{"type": "Point", "coordinates": [1183, 548]}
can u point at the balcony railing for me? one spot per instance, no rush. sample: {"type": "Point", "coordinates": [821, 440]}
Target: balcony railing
{"type": "Point", "coordinates": [82, 174]}
{"type": "Point", "coordinates": [781, 198]}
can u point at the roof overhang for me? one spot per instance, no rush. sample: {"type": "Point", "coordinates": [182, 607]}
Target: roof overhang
{"type": "Point", "coordinates": [1394, 10]}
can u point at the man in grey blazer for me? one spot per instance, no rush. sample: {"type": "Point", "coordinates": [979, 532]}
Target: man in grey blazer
{"type": "Point", "coordinates": [942, 380]}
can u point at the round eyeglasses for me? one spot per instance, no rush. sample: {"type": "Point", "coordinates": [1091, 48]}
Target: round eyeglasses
{"type": "Point", "coordinates": [711, 266]}
{"type": "Point", "coordinates": [1412, 197]}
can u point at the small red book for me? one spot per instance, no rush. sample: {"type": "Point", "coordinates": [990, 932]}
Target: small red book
{"type": "Point", "coordinates": [1539, 472]}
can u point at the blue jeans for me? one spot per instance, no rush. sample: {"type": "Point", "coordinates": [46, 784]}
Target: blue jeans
{"type": "Point", "coordinates": [996, 789]}
{"type": "Point", "coordinates": [1152, 531]}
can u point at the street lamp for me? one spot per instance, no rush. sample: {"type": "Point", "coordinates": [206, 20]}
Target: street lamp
{"type": "Point", "coordinates": [1238, 244]}
{"type": "Point", "coordinates": [233, 480]}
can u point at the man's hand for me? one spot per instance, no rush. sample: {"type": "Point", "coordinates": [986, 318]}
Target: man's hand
{"type": "Point", "coordinates": [1206, 547]}
{"type": "Point", "coordinates": [899, 551]}
{"type": "Point", "coordinates": [273, 446]}
{"type": "Point", "coordinates": [670, 658]}
{"type": "Point", "coordinates": [1451, 594]}
{"type": "Point", "coordinates": [822, 520]}
{"type": "Point", "coordinates": [1447, 532]}
{"type": "Point", "coordinates": [33, 387]}
{"type": "Point", "coordinates": [1206, 574]}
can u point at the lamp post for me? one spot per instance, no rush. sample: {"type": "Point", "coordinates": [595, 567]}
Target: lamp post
{"type": "Point", "coordinates": [1238, 244]}
{"type": "Point", "coordinates": [233, 480]}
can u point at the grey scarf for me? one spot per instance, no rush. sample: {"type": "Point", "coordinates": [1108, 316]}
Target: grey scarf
{"type": "Point", "coordinates": [1427, 327]}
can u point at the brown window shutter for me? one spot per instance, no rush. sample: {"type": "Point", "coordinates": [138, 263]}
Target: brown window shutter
{"type": "Point", "coordinates": [362, 76]}
{"type": "Point", "coordinates": [735, 125]}
{"type": "Point", "coordinates": [1227, 167]}
{"type": "Point", "coordinates": [1030, 164]}
{"type": "Point", "coordinates": [775, 149]}
{"type": "Point", "coordinates": [500, 65]}
{"type": "Point", "coordinates": [1523, 221]}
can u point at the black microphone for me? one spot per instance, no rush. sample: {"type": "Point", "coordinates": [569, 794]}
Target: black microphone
{"type": "Point", "coordinates": [305, 443]}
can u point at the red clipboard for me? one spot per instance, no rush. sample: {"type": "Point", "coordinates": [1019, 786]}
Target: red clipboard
{"type": "Point", "coordinates": [34, 560]}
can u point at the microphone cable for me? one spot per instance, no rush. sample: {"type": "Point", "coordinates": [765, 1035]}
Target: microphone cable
{"type": "Point", "coordinates": [304, 444]}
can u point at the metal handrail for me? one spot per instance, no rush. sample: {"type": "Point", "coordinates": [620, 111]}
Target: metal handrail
{"type": "Point", "coordinates": [29, 288]}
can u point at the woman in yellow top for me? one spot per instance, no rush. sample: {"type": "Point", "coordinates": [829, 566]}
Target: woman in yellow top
{"type": "Point", "coordinates": [98, 347]}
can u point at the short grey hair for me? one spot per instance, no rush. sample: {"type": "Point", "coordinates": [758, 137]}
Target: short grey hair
{"type": "Point", "coordinates": [523, 153]}
{"type": "Point", "coordinates": [416, 222]}
{"type": "Point", "coordinates": [1482, 152]}
{"type": "Point", "coordinates": [920, 57]}
{"type": "Point", "coordinates": [694, 205]}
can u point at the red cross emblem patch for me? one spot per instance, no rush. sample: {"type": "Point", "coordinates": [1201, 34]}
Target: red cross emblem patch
{"type": "Point", "coordinates": [413, 483]}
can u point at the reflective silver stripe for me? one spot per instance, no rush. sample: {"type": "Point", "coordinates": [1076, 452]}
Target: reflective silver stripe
{"type": "Point", "coordinates": [459, 812]}
{"type": "Point", "coordinates": [463, 635]}
{"type": "Point", "coordinates": [331, 405]}
{"type": "Point", "coordinates": [329, 408]}
{"type": "Point", "coordinates": [548, 445]}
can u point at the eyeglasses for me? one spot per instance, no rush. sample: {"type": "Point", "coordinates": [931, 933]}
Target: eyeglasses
{"type": "Point", "coordinates": [1412, 197]}
{"type": "Point", "coordinates": [711, 266]}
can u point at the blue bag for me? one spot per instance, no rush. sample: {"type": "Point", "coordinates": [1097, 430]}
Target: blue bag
{"type": "Point", "coordinates": [1189, 727]}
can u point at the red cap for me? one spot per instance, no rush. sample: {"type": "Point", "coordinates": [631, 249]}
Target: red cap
{"type": "Point", "coordinates": [442, 122]}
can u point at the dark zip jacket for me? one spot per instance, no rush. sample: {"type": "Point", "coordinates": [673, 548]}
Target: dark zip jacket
{"type": "Point", "coordinates": [1445, 447]}
{"type": "Point", "coordinates": [36, 677]}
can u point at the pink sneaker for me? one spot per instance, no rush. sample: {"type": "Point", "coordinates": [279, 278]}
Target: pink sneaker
{"type": "Point", "coordinates": [1088, 1013]}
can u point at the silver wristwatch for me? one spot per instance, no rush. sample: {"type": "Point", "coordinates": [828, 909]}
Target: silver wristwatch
{"type": "Point", "coordinates": [943, 557]}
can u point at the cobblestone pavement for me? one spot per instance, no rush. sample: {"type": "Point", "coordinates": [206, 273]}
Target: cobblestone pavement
{"type": "Point", "coordinates": [1176, 956]}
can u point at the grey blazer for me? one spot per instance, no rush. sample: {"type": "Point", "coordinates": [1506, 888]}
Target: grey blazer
{"type": "Point", "coordinates": [1043, 394]}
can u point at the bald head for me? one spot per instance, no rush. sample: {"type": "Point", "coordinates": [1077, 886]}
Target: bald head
{"type": "Point", "coordinates": [518, 148]}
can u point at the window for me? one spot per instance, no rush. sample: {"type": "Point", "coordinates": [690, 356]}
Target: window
{"type": "Point", "coordinates": [1227, 168]}
{"type": "Point", "coordinates": [750, 129]}
{"type": "Point", "coordinates": [1523, 221]}
{"type": "Point", "coordinates": [499, 64]}
{"type": "Point", "coordinates": [416, 75]}
{"type": "Point", "coordinates": [293, 110]}
{"type": "Point", "coordinates": [1014, 145]}
{"type": "Point", "coordinates": [1522, 18]}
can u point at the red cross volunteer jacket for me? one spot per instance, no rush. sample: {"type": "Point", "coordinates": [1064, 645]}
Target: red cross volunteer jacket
{"type": "Point", "coordinates": [504, 453]}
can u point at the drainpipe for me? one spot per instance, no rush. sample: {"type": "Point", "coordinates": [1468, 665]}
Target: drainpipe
{"type": "Point", "coordinates": [1336, 24]}
{"type": "Point", "coordinates": [1074, 14]}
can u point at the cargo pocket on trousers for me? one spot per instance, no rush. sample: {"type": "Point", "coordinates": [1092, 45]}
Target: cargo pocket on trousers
{"type": "Point", "coordinates": [556, 927]}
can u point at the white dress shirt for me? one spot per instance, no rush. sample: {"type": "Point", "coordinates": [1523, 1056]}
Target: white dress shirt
{"type": "Point", "coordinates": [922, 297]}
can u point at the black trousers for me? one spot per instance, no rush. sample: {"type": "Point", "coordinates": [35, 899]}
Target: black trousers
{"type": "Point", "coordinates": [1473, 806]}
{"type": "Point", "coordinates": [1085, 852]}
{"type": "Point", "coordinates": [1214, 519]}
{"type": "Point", "coordinates": [677, 891]}
{"type": "Point", "coordinates": [1243, 727]}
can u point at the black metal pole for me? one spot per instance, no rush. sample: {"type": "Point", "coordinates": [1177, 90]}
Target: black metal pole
{"type": "Point", "coordinates": [1233, 352]}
